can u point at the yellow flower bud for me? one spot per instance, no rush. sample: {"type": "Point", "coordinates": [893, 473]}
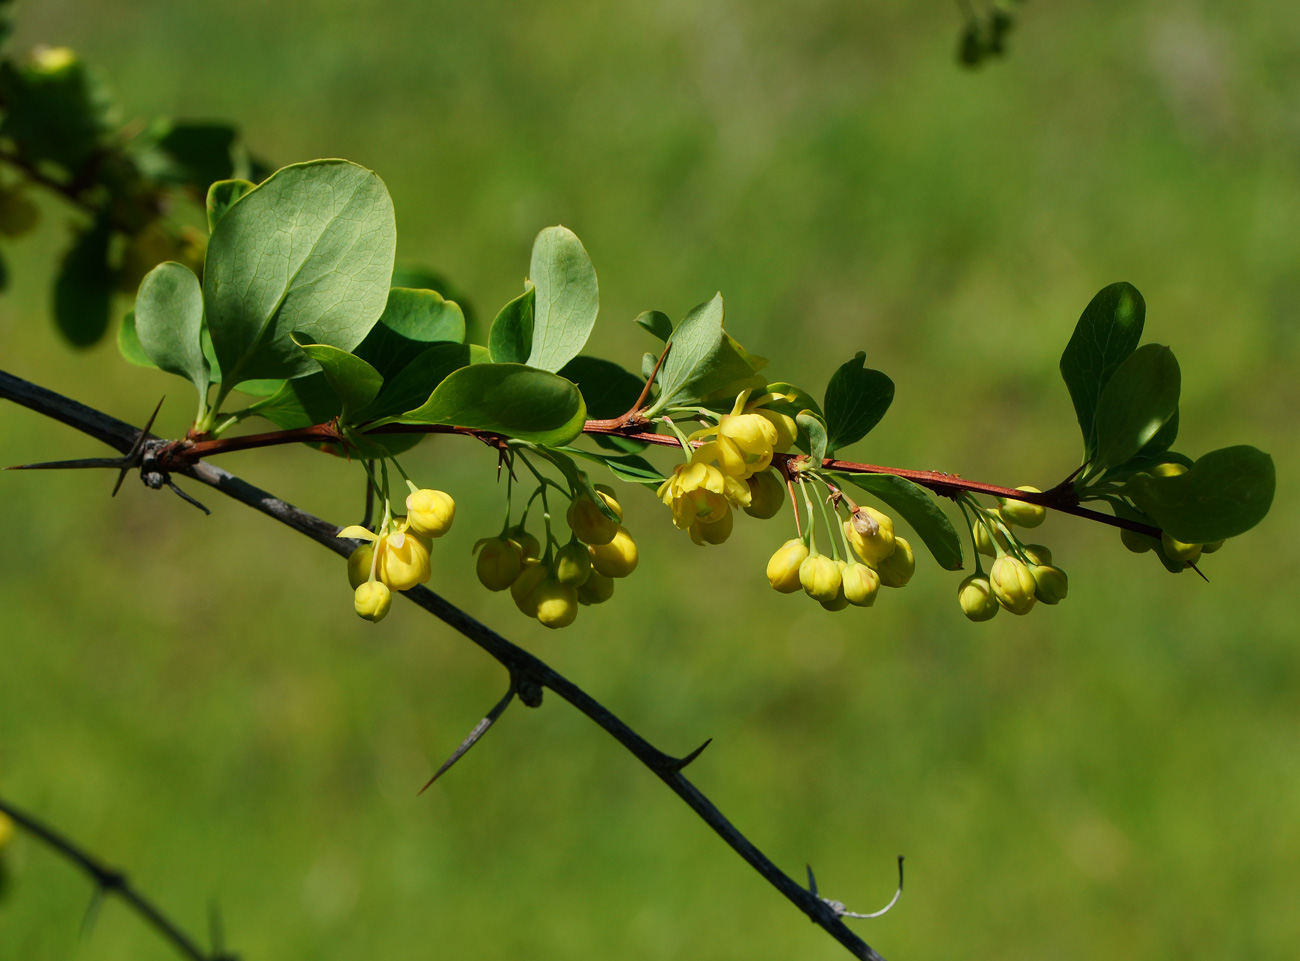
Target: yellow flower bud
{"type": "Point", "coordinates": [1013, 584]}
{"type": "Point", "coordinates": [766, 494]}
{"type": "Point", "coordinates": [1168, 469]}
{"type": "Point", "coordinates": [745, 443]}
{"type": "Point", "coordinates": [557, 604]}
{"type": "Point", "coordinates": [596, 589]}
{"type": "Point", "coordinates": [872, 547]}
{"type": "Point", "coordinates": [403, 559]}
{"type": "Point", "coordinates": [589, 522]}
{"type": "Point", "coordinates": [372, 601]}
{"type": "Point", "coordinates": [1039, 554]}
{"type": "Point", "coordinates": [787, 431]}
{"type": "Point", "coordinates": [522, 590]}
{"type": "Point", "coordinates": [359, 564]}
{"type": "Point", "coordinates": [573, 564]}
{"type": "Point", "coordinates": [607, 494]}
{"type": "Point", "coordinates": [430, 512]}
{"type": "Point", "coordinates": [1022, 513]}
{"type": "Point", "coordinates": [820, 577]}
{"type": "Point", "coordinates": [617, 558]}
{"type": "Point", "coordinates": [1052, 584]}
{"type": "Point", "coordinates": [499, 562]}
{"type": "Point", "coordinates": [897, 569]}
{"type": "Point", "coordinates": [975, 595]}
{"type": "Point", "coordinates": [1180, 550]}
{"type": "Point", "coordinates": [529, 546]}
{"type": "Point", "coordinates": [984, 544]}
{"type": "Point", "coordinates": [783, 567]}
{"type": "Point", "coordinates": [861, 585]}
{"type": "Point", "coordinates": [1137, 543]}
{"type": "Point", "coordinates": [715, 532]}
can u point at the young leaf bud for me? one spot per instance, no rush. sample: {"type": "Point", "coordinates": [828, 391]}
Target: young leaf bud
{"type": "Point", "coordinates": [589, 522]}
{"type": "Point", "coordinates": [1179, 550]}
{"type": "Point", "coordinates": [783, 566]}
{"type": "Point", "coordinates": [573, 564]}
{"type": "Point", "coordinates": [430, 512]}
{"type": "Point", "coordinates": [557, 604]}
{"type": "Point", "coordinates": [596, 589]}
{"type": "Point", "coordinates": [975, 595]}
{"type": "Point", "coordinates": [531, 575]}
{"type": "Point", "coordinates": [897, 569]}
{"type": "Point", "coordinates": [359, 563]}
{"type": "Point", "coordinates": [766, 495]}
{"type": "Point", "coordinates": [618, 557]}
{"type": "Point", "coordinates": [861, 585]}
{"type": "Point", "coordinates": [1052, 584]}
{"type": "Point", "coordinates": [1021, 513]}
{"type": "Point", "coordinates": [372, 600]}
{"type": "Point", "coordinates": [499, 563]}
{"type": "Point", "coordinates": [872, 546]}
{"type": "Point", "coordinates": [820, 577]}
{"type": "Point", "coordinates": [1013, 584]}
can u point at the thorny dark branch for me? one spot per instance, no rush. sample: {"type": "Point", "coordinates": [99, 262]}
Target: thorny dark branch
{"type": "Point", "coordinates": [528, 672]}
{"type": "Point", "coordinates": [108, 881]}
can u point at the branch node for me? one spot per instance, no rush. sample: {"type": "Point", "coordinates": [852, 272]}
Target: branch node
{"type": "Point", "coordinates": [838, 906]}
{"type": "Point", "coordinates": [530, 692]}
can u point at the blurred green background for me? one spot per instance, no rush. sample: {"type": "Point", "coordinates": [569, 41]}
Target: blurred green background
{"type": "Point", "coordinates": [1117, 777]}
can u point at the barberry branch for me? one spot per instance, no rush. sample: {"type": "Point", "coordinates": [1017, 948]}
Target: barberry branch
{"type": "Point", "coordinates": [530, 673]}
{"type": "Point", "coordinates": [109, 881]}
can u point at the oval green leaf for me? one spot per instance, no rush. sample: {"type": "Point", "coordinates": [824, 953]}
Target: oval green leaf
{"type": "Point", "coordinates": [1107, 332]}
{"type": "Point", "coordinates": [568, 298]}
{"type": "Point", "coordinates": [1225, 493]}
{"type": "Point", "coordinates": [1136, 404]}
{"type": "Point", "coordinates": [309, 250]}
{"type": "Point", "coordinates": [510, 338]}
{"type": "Point", "coordinates": [511, 399]}
{"type": "Point", "coordinates": [812, 425]}
{"type": "Point", "coordinates": [856, 399]}
{"type": "Point", "coordinates": [354, 381]}
{"type": "Point", "coordinates": [169, 323]}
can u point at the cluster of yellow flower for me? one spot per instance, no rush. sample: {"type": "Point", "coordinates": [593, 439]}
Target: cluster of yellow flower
{"type": "Point", "coordinates": [881, 558]}
{"type": "Point", "coordinates": [1021, 574]}
{"type": "Point", "coordinates": [731, 469]}
{"type": "Point", "coordinates": [550, 588]}
{"type": "Point", "coordinates": [1174, 550]}
{"type": "Point", "coordinates": [397, 557]}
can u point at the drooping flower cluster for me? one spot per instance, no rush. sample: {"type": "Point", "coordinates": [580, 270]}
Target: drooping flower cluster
{"type": "Point", "coordinates": [396, 557]}
{"type": "Point", "coordinates": [550, 587]}
{"type": "Point", "coordinates": [1021, 574]}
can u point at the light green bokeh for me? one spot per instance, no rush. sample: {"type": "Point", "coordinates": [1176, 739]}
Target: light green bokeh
{"type": "Point", "coordinates": [1116, 777]}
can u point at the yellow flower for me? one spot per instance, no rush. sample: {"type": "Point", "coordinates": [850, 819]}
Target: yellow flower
{"type": "Point", "coordinates": [715, 531]}
{"type": "Point", "coordinates": [698, 492]}
{"type": "Point", "coordinates": [403, 555]}
{"type": "Point", "coordinates": [360, 563]}
{"type": "Point", "coordinates": [618, 558]}
{"type": "Point", "coordinates": [498, 562]}
{"type": "Point", "coordinates": [430, 512]}
{"type": "Point", "coordinates": [975, 595]}
{"type": "Point", "coordinates": [745, 444]}
{"type": "Point", "coordinates": [1052, 584]}
{"type": "Point", "coordinates": [820, 577]}
{"type": "Point", "coordinates": [783, 567]}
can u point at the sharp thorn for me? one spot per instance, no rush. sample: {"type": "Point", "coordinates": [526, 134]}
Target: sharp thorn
{"type": "Point", "coordinates": [71, 464]}
{"type": "Point", "coordinates": [186, 497]}
{"type": "Point", "coordinates": [479, 730]}
{"type": "Point", "coordinates": [682, 762]}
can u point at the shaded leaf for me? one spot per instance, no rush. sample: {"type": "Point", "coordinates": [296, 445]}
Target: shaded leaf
{"type": "Point", "coordinates": [223, 195]}
{"type": "Point", "coordinates": [522, 402]}
{"type": "Point", "coordinates": [856, 399]}
{"type": "Point", "coordinates": [1225, 493]}
{"type": "Point", "coordinates": [354, 381]}
{"type": "Point", "coordinates": [413, 384]}
{"type": "Point", "coordinates": [128, 343]}
{"type": "Point", "coordinates": [300, 402]}
{"type": "Point", "coordinates": [1140, 398]}
{"type": "Point", "coordinates": [567, 298]}
{"type": "Point", "coordinates": [812, 425]}
{"type": "Point", "coordinates": [915, 505]}
{"type": "Point", "coordinates": [308, 251]}
{"type": "Point", "coordinates": [169, 323]}
{"type": "Point", "coordinates": [1107, 332]}
{"type": "Point", "coordinates": [510, 340]}
{"type": "Point", "coordinates": [83, 289]}
{"type": "Point", "coordinates": [657, 322]}
{"type": "Point", "coordinates": [626, 467]}
{"type": "Point", "coordinates": [411, 321]}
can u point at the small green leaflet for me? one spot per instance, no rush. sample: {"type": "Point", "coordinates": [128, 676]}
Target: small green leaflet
{"type": "Point", "coordinates": [169, 323]}
{"type": "Point", "coordinates": [567, 298]}
{"type": "Point", "coordinates": [1136, 404]}
{"type": "Point", "coordinates": [1108, 331]}
{"type": "Point", "coordinates": [657, 323]}
{"type": "Point", "coordinates": [511, 399]}
{"type": "Point", "coordinates": [856, 399]}
{"type": "Point", "coordinates": [510, 339]}
{"type": "Point", "coordinates": [703, 360]}
{"type": "Point", "coordinates": [223, 195]}
{"type": "Point", "coordinates": [354, 381]}
{"type": "Point", "coordinates": [915, 505]}
{"type": "Point", "coordinates": [626, 467]}
{"type": "Point", "coordinates": [814, 427]}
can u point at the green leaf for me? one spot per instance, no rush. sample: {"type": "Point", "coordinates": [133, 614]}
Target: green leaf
{"type": "Point", "coordinates": [856, 398]}
{"type": "Point", "coordinates": [354, 381]}
{"type": "Point", "coordinates": [657, 322]}
{"type": "Point", "coordinates": [815, 428]}
{"type": "Point", "coordinates": [1225, 493]}
{"type": "Point", "coordinates": [610, 391]}
{"type": "Point", "coordinates": [223, 195]}
{"type": "Point", "coordinates": [128, 343]}
{"type": "Point", "coordinates": [422, 278]}
{"type": "Point", "coordinates": [300, 402]}
{"type": "Point", "coordinates": [511, 399]}
{"type": "Point", "coordinates": [411, 321]}
{"type": "Point", "coordinates": [83, 289]}
{"type": "Point", "coordinates": [259, 388]}
{"type": "Point", "coordinates": [567, 301]}
{"type": "Point", "coordinates": [1108, 331]}
{"type": "Point", "coordinates": [413, 384]}
{"type": "Point", "coordinates": [309, 251]}
{"type": "Point", "coordinates": [186, 153]}
{"type": "Point", "coordinates": [1138, 401]}
{"type": "Point", "coordinates": [511, 338]}
{"type": "Point", "coordinates": [626, 467]}
{"type": "Point", "coordinates": [703, 360]}
{"type": "Point", "coordinates": [914, 504]}
{"type": "Point", "coordinates": [169, 323]}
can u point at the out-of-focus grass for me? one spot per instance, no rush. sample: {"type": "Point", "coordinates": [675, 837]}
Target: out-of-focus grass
{"type": "Point", "coordinates": [1116, 777]}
